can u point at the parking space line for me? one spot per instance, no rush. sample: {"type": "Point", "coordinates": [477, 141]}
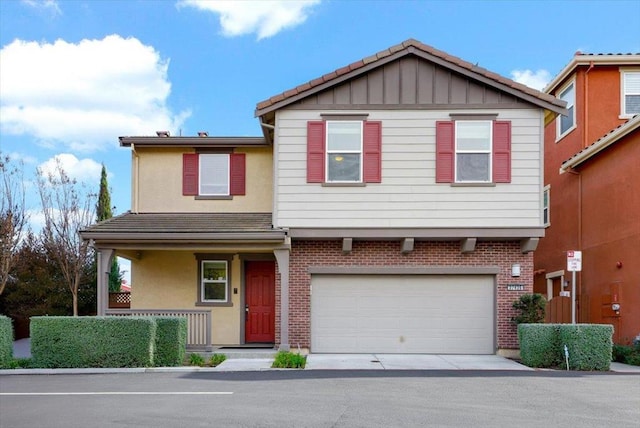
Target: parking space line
{"type": "Point", "coordinates": [119, 393]}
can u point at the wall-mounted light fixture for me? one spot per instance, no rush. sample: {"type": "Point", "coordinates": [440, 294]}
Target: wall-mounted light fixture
{"type": "Point", "coordinates": [515, 269]}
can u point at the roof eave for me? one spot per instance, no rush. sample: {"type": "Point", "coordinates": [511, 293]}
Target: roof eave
{"type": "Point", "coordinates": [587, 60]}
{"type": "Point", "coordinates": [275, 236]}
{"type": "Point", "coordinates": [601, 145]}
{"type": "Point", "coordinates": [148, 141]}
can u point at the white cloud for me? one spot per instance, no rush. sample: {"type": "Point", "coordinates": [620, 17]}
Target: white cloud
{"type": "Point", "coordinates": [265, 18]}
{"type": "Point", "coordinates": [83, 96]}
{"type": "Point", "coordinates": [83, 170]}
{"type": "Point", "coordinates": [536, 80]}
{"type": "Point", "coordinates": [50, 6]}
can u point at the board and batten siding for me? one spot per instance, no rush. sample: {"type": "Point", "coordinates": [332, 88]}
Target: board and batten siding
{"type": "Point", "coordinates": [408, 195]}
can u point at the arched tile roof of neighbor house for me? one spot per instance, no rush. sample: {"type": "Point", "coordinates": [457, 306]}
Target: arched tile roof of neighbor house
{"type": "Point", "coordinates": [184, 227]}
{"type": "Point", "coordinates": [602, 143]}
{"type": "Point", "coordinates": [411, 47]}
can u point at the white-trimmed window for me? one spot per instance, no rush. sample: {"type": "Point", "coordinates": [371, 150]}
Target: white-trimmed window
{"type": "Point", "coordinates": [567, 123]}
{"type": "Point", "coordinates": [344, 151]}
{"type": "Point", "coordinates": [630, 93]}
{"type": "Point", "coordinates": [214, 281]}
{"type": "Point", "coordinates": [473, 151]}
{"type": "Point", "coordinates": [214, 175]}
{"type": "Point", "coordinates": [546, 203]}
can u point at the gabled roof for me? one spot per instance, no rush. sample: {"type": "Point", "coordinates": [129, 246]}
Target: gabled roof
{"type": "Point", "coordinates": [411, 47]}
{"type": "Point", "coordinates": [588, 59]}
{"type": "Point", "coordinates": [601, 144]}
{"type": "Point", "coordinates": [185, 228]}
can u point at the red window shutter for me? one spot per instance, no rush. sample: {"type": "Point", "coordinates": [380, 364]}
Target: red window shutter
{"type": "Point", "coordinates": [372, 152]}
{"type": "Point", "coordinates": [190, 174]}
{"type": "Point", "coordinates": [445, 151]}
{"type": "Point", "coordinates": [315, 151]}
{"type": "Point", "coordinates": [237, 173]}
{"type": "Point", "coordinates": [501, 152]}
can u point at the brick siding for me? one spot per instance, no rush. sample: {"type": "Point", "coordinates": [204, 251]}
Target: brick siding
{"type": "Point", "coordinates": [387, 253]}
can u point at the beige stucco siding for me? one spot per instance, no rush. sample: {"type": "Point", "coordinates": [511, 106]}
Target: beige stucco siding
{"type": "Point", "coordinates": [408, 195]}
{"type": "Point", "coordinates": [157, 183]}
{"type": "Point", "coordinates": [169, 280]}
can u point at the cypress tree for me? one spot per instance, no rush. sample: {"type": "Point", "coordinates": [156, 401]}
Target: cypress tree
{"type": "Point", "coordinates": [104, 212]}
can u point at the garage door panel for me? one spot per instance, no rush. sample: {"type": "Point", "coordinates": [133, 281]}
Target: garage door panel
{"type": "Point", "coordinates": [403, 314]}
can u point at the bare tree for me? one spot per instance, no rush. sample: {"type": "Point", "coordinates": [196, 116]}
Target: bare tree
{"type": "Point", "coordinates": [13, 215]}
{"type": "Point", "coordinates": [68, 208]}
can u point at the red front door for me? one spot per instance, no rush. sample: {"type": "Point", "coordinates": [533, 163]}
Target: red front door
{"type": "Point", "coordinates": [260, 309]}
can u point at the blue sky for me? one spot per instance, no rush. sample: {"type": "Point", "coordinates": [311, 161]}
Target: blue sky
{"type": "Point", "coordinates": [75, 75]}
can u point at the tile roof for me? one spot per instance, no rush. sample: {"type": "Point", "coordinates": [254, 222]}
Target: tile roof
{"type": "Point", "coordinates": [407, 46]}
{"type": "Point", "coordinates": [588, 59]}
{"type": "Point", "coordinates": [182, 223]}
{"type": "Point", "coordinates": [602, 143]}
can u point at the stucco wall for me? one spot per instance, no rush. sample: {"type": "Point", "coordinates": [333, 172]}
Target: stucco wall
{"type": "Point", "coordinates": [169, 280]}
{"type": "Point", "coordinates": [157, 183]}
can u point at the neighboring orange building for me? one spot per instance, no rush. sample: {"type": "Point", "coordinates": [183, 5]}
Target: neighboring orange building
{"type": "Point", "coordinates": [592, 191]}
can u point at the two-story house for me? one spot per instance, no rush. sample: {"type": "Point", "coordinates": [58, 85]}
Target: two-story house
{"type": "Point", "coordinates": [592, 197]}
{"type": "Point", "coordinates": [392, 206]}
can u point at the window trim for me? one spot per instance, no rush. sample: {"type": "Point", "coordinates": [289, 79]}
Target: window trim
{"type": "Point", "coordinates": [201, 259]}
{"type": "Point", "coordinates": [574, 125]}
{"type": "Point", "coordinates": [228, 175]}
{"type": "Point", "coordinates": [488, 152]}
{"type": "Point", "coordinates": [623, 92]}
{"type": "Point", "coordinates": [328, 152]}
{"type": "Point", "coordinates": [546, 206]}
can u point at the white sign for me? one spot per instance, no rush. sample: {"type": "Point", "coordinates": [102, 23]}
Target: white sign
{"type": "Point", "coordinates": [574, 261]}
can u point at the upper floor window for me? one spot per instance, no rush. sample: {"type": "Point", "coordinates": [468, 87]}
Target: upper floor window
{"type": "Point", "coordinates": [344, 151]}
{"type": "Point", "coordinates": [473, 151]}
{"type": "Point", "coordinates": [213, 175]}
{"type": "Point", "coordinates": [630, 93]}
{"type": "Point", "coordinates": [546, 194]}
{"type": "Point", "coordinates": [567, 123]}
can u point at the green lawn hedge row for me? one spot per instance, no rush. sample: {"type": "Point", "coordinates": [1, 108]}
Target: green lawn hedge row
{"type": "Point", "coordinates": [106, 341]}
{"type": "Point", "coordinates": [589, 345]}
{"type": "Point", "coordinates": [6, 341]}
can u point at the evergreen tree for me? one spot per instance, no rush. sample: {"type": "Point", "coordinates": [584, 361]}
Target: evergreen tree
{"type": "Point", "coordinates": [104, 212]}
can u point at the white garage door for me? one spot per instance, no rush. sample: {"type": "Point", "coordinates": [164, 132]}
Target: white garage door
{"type": "Point", "coordinates": [434, 314]}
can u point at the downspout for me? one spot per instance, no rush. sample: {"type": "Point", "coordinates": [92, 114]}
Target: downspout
{"type": "Point", "coordinates": [585, 143]}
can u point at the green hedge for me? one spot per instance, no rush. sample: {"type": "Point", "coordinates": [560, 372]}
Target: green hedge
{"type": "Point", "coordinates": [539, 345]}
{"type": "Point", "coordinates": [171, 341]}
{"type": "Point", "coordinates": [92, 341]}
{"type": "Point", "coordinates": [589, 345]}
{"type": "Point", "coordinates": [6, 342]}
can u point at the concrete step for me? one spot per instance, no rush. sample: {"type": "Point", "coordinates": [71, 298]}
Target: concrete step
{"type": "Point", "coordinates": [246, 353]}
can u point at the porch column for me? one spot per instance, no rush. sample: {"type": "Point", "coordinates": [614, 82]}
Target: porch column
{"type": "Point", "coordinates": [282, 257]}
{"type": "Point", "coordinates": [104, 256]}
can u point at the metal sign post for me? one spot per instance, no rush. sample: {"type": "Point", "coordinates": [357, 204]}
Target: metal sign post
{"type": "Point", "coordinates": [574, 264]}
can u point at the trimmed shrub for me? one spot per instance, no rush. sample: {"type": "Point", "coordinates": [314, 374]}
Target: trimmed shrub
{"type": "Point", "coordinates": [589, 345]}
{"type": "Point", "coordinates": [539, 345]}
{"type": "Point", "coordinates": [289, 360]}
{"type": "Point", "coordinates": [92, 341]}
{"type": "Point", "coordinates": [171, 341]}
{"type": "Point", "coordinates": [6, 342]}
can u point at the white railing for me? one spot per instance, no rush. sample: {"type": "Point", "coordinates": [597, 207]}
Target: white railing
{"type": "Point", "coordinates": [198, 323]}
